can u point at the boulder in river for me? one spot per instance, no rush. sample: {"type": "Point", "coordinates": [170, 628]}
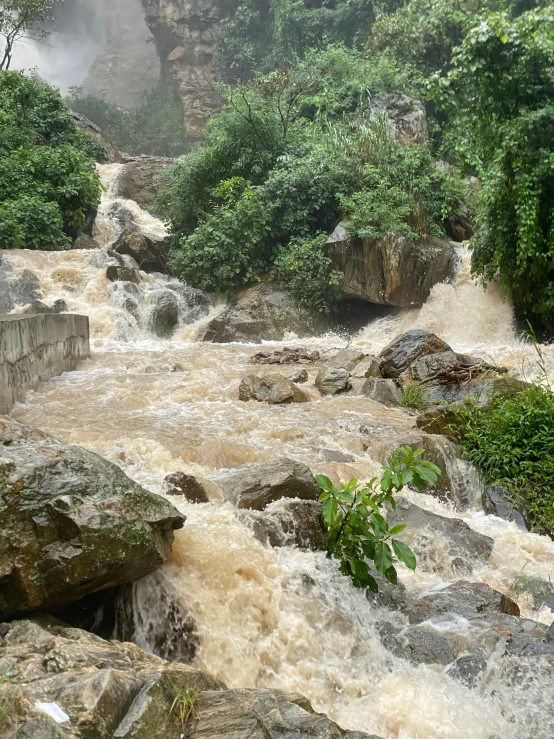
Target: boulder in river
{"type": "Point", "coordinates": [84, 241]}
{"type": "Point", "coordinates": [164, 313]}
{"type": "Point", "coordinates": [273, 389]}
{"type": "Point", "coordinates": [331, 381]}
{"type": "Point", "coordinates": [296, 523]}
{"type": "Point", "coordinates": [149, 251]}
{"type": "Point", "coordinates": [403, 351]}
{"type": "Point", "coordinates": [481, 390]}
{"type": "Point", "coordinates": [498, 502]}
{"type": "Point", "coordinates": [20, 288]}
{"type": "Point", "coordinates": [394, 270]}
{"type": "Point", "coordinates": [386, 392]}
{"type": "Point", "coordinates": [71, 523]}
{"type": "Point", "coordinates": [143, 180]}
{"type": "Point", "coordinates": [258, 485]}
{"type": "Point", "coordinates": [263, 312]}
{"type": "Point", "coordinates": [123, 274]}
{"type": "Point", "coordinates": [179, 483]}
{"type": "Point", "coordinates": [37, 306]}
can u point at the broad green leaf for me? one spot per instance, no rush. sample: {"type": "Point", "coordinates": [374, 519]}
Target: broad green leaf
{"type": "Point", "coordinates": [397, 529]}
{"type": "Point", "coordinates": [404, 554]}
{"type": "Point", "coordinates": [383, 557]}
{"type": "Point", "coordinates": [324, 483]}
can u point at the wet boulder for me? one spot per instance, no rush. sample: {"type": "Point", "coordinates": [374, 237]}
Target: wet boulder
{"type": "Point", "coordinates": [123, 274]}
{"type": "Point", "coordinates": [299, 376]}
{"type": "Point", "coordinates": [407, 117]}
{"type": "Point", "coordinates": [21, 288]}
{"type": "Point", "coordinates": [418, 644]}
{"type": "Point", "coordinates": [498, 502]}
{"type": "Point", "coordinates": [468, 669]}
{"type": "Point", "coordinates": [296, 523]}
{"type": "Point", "coordinates": [149, 251]}
{"type": "Point", "coordinates": [403, 351]}
{"type": "Point", "coordinates": [480, 390]}
{"type": "Point", "coordinates": [272, 389]}
{"type": "Point", "coordinates": [179, 483]}
{"type": "Point", "coordinates": [331, 381]}
{"type": "Point", "coordinates": [124, 218]}
{"type": "Point", "coordinates": [386, 392]}
{"type": "Point", "coordinates": [432, 536]}
{"type": "Point", "coordinates": [439, 420]}
{"type": "Point", "coordinates": [258, 485]}
{"type": "Point", "coordinates": [71, 523]}
{"type": "Point", "coordinates": [164, 313]}
{"type": "Point", "coordinates": [84, 241]}
{"type": "Point", "coordinates": [263, 312]}
{"type": "Point", "coordinates": [394, 270]}
{"type": "Point", "coordinates": [37, 306]}
{"type": "Point", "coordinates": [429, 365]}
{"type": "Point", "coordinates": [143, 179]}
{"type": "Point", "coordinates": [347, 359]}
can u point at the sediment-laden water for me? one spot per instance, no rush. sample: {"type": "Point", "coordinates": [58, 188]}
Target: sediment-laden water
{"type": "Point", "coordinates": [282, 617]}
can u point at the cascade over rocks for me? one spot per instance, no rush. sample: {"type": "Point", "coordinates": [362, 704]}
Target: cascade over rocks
{"type": "Point", "coordinates": [71, 523]}
{"type": "Point", "coordinates": [142, 179]}
{"type": "Point", "coordinates": [394, 270]}
{"type": "Point", "coordinates": [258, 485]}
{"type": "Point", "coordinates": [164, 315]}
{"type": "Point", "coordinates": [263, 312]}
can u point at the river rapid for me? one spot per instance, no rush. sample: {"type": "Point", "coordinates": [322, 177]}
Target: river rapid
{"type": "Point", "coordinates": [285, 618]}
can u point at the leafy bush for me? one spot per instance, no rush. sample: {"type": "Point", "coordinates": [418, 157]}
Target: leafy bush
{"type": "Point", "coordinates": [412, 397]}
{"type": "Point", "coordinates": [356, 528]}
{"type": "Point", "coordinates": [499, 91]}
{"type": "Point", "coordinates": [302, 144]}
{"type": "Point", "coordinates": [48, 182]}
{"type": "Point", "coordinates": [155, 126]}
{"type": "Point", "coordinates": [512, 444]}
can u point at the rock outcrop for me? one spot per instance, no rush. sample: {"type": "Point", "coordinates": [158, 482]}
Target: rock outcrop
{"type": "Point", "coordinates": [186, 33]}
{"type": "Point", "coordinates": [113, 155]}
{"type": "Point", "coordinates": [71, 523]}
{"type": "Point", "coordinates": [143, 179]}
{"type": "Point", "coordinates": [64, 683]}
{"type": "Point", "coordinates": [407, 117]}
{"type": "Point", "coordinates": [263, 312]}
{"type": "Point", "coordinates": [393, 270]}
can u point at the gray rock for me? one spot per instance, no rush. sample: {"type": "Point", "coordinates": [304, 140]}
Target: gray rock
{"type": "Point", "coordinates": [123, 274]}
{"type": "Point", "coordinates": [331, 381]}
{"type": "Point", "coordinates": [419, 644]}
{"type": "Point", "coordinates": [273, 389]}
{"type": "Point", "coordinates": [497, 501]}
{"type": "Point", "coordinates": [335, 455]}
{"type": "Point", "coordinates": [263, 312]}
{"type": "Point", "coordinates": [550, 634]}
{"type": "Point", "coordinates": [481, 391]}
{"type": "Point", "coordinates": [123, 216]}
{"type": "Point", "coordinates": [346, 359]}
{"type": "Point", "coordinates": [439, 420]}
{"type": "Point", "coordinates": [113, 155]}
{"type": "Point", "coordinates": [84, 241]}
{"type": "Point", "coordinates": [299, 376]}
{"type": "Point", "coordinates": [71, 523]}
{"type": "Point", "coordinates": [468, 669]}
{"type": "Point", "coordinates": [407, 117]}
{"type": "Point", "coordinates": [368, 367]}
{"type": "Point", "coordinates": [467, 548]}
{"type": "Point", "coordinates": [143, 180]}
{"type": "Point", "coordinates": [359, 735]}
{"type": "Point", "coordinates": [37, 306]}
{"type": "Point", "coordinates": [258, 485]}
{"type": "Point", "coordinates": [386, 392]}
{"type": "Point", "coordinates": [149, 251]}
{"type": "Point", "coordinates": [296, 523]}
{"type": "Point", "coordinates": [393, 270]}
{"type": "Point", "coordinates": [179, 483]}
{"type": "Point", "coordinates": [164, 313]}
{"type": "Point", "coordinates": [429, 364]}
{"type": "Point", "coordinates": [403, 351]}
{"type": "Point", "coordinates": [19, 289]}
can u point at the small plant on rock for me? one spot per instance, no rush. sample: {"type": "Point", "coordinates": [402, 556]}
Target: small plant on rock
{"type": "Point", "coordinates": [358, 533]}
{"type": "Point", "coordinates": [412, 397]}
{"type": "Point", "coordinates": [183, 706]}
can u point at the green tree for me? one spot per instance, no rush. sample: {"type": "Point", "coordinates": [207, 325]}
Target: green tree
{"type": "Point", "coordinates": [23, 19]}
{"type": "Point", "coordinates": [48, 183]}
{"type": "Point", "coordinates": [500, 92]}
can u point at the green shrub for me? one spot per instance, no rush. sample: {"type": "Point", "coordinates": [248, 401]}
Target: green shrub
{"type": "Point", "coordinates": [48, 182]}
{"type": "Point", "coordinates": [512, 444]}
{"type": "Point", "coordinates": [412, 397]}
{"type": "Point", "coordinates": [356, 529]}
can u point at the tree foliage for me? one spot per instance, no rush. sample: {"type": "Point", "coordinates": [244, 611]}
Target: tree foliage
{"type": "Point", "coordinates": [22, 19]}
{"type": "Point", "coordinates": [500, 92]}
{"type": "Point", "coordinates": [357, 531]}
{"type": "Point", "coordinates": [291, 154]}
{"type": "Point", "coordinates": [47, 171]}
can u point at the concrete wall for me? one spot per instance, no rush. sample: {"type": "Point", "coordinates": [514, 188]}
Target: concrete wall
{"type": "Point", "coordinates": [35, 348]}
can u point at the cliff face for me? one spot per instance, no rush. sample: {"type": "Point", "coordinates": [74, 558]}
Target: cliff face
{"type": "Point", "coordinates": [129, 64]}
{"type": "Point", "coordinates": [186, 35]}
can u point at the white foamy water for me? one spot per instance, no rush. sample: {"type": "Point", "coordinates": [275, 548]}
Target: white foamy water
{"type": "Point", "coordinates": [282, 617]}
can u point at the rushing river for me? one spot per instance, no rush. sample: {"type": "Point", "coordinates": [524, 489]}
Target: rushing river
{"type": "Point", "coordinates": [283, 617]}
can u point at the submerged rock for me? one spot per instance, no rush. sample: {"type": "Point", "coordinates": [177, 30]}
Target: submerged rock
{"type": "Point", "coordinates": [164, 314]}
{"type": "Point", "coordinates": [403, 351]}
{"type": "Point", "coordinates": [71, 522]}
{"type": "Point", "coordinates": [263, 312]}
{"type": "Point", "coordinates": [393, 271]}
{"type": "Point", "coordinates": [179, 483]}
{"type": "Point", "coordinates": [273, 389]}
{"type": "Point", "coordinates": [259, 485]}
{"type": "Point", "coordinates": [123, 274]}
{"type": "Point", "coordinates": [296, 523]}
{"type": "Point", "coordinates": [418, 644]}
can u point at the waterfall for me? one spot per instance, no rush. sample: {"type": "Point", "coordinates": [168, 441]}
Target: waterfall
{"type": "Point", "coordinates": [286, 618]}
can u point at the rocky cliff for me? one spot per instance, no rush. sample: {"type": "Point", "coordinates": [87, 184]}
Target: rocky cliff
{"type": "Point", "coordinates": [186, 33]}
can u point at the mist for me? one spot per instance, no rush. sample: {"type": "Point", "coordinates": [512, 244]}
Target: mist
{"type": "Point", "coordinates": [63, 59]}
